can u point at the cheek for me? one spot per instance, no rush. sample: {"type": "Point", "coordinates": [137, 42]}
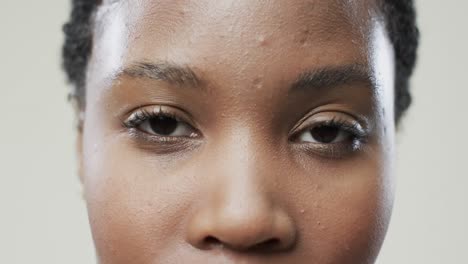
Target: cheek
{"type": "Point", "coordinates": [346, 210]}
{"type": "Point", "coordinates": [134, 204]}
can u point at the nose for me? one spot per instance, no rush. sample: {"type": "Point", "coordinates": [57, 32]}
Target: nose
{"type": "Point", "coordinates": [242, 227]}
{"type": "Point", "coordinates": [237, 210]}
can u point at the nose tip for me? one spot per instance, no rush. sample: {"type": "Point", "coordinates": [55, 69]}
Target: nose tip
{"type": "Point", "coordinates": [268, 231]}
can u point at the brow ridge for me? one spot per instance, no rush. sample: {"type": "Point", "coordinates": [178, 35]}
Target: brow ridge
{"type": "Point", "coordinates": [333, 76]}
{"type": "Point", "coordinates": [162, 71]}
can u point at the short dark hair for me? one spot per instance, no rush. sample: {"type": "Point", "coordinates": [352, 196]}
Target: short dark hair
{"type": "Point", "coordinates": [399, 15]}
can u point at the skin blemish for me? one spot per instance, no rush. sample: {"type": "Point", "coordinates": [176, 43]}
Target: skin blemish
{"type": "Point", "coordinates": [262, 41]}
{"type": "Point", "coordinates": [320, 225]}
{"type": "Point", "coordinates": [257, 83]}
{"type": "Point", "coordinates": [303, 37]}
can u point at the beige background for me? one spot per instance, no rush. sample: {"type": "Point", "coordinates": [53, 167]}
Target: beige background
{"type": "Point", "coordinates": [42, 217]}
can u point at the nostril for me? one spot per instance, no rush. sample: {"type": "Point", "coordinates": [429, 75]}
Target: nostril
{"type": "Point", "coordinates": [267, 245]}
{"type": "Point", "coordinates": [211, 241]}
{"type": "Point", "coordinates": [272, 244]}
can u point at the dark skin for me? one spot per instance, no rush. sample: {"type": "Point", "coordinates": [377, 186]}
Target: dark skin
{"type": "Point", "coordinates": [238, 132]}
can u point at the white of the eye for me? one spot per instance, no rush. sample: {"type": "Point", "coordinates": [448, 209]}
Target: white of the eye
{"type": "Point", "coordinates": [182, 130]}
{"type": "Point", "coordinates": [307, 136]}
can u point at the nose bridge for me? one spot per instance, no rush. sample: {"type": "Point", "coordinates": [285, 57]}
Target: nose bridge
{"type": "Point", "coordinates": [246, 165]}
{"type": "Point", "coordinates": [246, 149]}
{"type": "Point", "coordinates": [245, 183]}
{"type": "Point", "coordinates": [242, 172]}
{"type": "Point", "coordinates": [239, 209]}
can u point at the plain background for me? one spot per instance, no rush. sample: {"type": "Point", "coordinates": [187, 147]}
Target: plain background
{"type": "Point", "coordinates": [42, 215]}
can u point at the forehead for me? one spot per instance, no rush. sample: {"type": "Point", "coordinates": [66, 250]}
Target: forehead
{"type": "Point", "coordinates": [184, 31]}
{"type": "Point", "coordinates": [317, 17]}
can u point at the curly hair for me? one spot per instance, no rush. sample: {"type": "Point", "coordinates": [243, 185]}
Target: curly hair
{"type": "Point", "coordinates": [399, 15]}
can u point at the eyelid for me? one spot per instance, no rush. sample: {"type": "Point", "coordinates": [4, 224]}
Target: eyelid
{"type": "Point", "coordinates": [159, 144]}
{"type": "Point", "coordinates": [349, 123]}
{"type": "Point", "coordinates": [154, 110]}
{"type": "Point", "coordinates": [359, 130]}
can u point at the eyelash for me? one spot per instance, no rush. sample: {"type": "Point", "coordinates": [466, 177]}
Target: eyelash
{"type": "Point", "coordinates": [354, 128]}
{"type": "Point", "coordinates": [359, 136]}
{"type": "Point", "coordinates": [142, 115]}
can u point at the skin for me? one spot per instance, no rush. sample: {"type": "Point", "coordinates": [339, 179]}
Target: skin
{"type": "Point", "coordinates": [243, 182]}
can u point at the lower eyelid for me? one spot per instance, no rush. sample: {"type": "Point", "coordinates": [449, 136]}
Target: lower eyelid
{"type": "Point", "coordinates": [333, 150]}
{"type": "Point", "coordinates": [146, 138]}
{"type": "Point", "coordinates": [158, 147]}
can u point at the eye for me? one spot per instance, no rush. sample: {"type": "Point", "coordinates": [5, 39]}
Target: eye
{"type": "Point", "coordinates": [166, 126]}
{"type": "Point", "coordinates": [162, 123]}
{"type": "Point", "coordinates": [325, 134]}
{"type": "Point", "coordinates": [331, 135]}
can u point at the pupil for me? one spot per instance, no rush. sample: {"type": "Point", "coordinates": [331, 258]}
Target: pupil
{"type": "Point", "coordinates": [325, 134]}
{"type": "Point", "coordinates": [163, 125]}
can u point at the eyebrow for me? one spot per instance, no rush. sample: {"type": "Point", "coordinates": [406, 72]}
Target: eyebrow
{"type": "Point", "coordinates": [162, 71]}
{"type": "Point", "coordinates": [326, 77]}
{"type": "Point", "coordinates": [333, 77]}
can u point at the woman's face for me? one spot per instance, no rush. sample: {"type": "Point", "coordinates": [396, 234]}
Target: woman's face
{"type": "Point", "coordinates": [238, 132]}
